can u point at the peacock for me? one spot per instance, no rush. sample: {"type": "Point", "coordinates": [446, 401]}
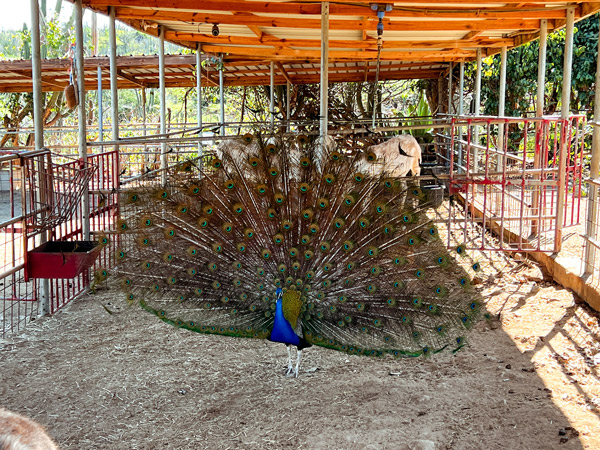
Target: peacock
{"type": "Point", "coordinates": [277, 237]}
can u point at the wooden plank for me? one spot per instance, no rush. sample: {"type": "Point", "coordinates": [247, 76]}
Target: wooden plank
{"type": "Point", "coordinates": [471, 34]}
{"type": "Point", "coordinates": [370, 44]}
{"type": "Point", "coordinates": [267, 54]}
{"type": "Point", "coordinates": [335, 24]}
{"type": "Point", "coordinates": [131, 78]}
{"type": "Point", "coordinates": [533, 11]}
{"type": "Point", "coordinates": [333, 78]}
{"type": "Point", "coordinates": [284, 72]}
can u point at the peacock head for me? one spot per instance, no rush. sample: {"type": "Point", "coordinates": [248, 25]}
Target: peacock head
{"type": "Point", "coordinates": [279, 292]}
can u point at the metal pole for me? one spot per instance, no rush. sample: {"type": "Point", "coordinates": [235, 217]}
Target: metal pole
{"type": "Point", "coordinates": [199, 95]}
{"type": "Point", "coordinates": [81, 113]}
{"type": "Point", "coordinates": [145, 126]}
{"type": "Point", "coordinates": [461, 88]}
{"type": "Point", "coordinates": [461, 92]}
{"type": "Point", "coordinates": [163, 102]}
{"type": "Point", "coordinates": [222, 98]}
{"type": "Point", "coordinates": [100, 108]}
{"type": "Point", "coordinates": [502, 93]}
{"type": "Point", "coordinates": [324, 75]}
{"type": "Point", "coordinates": [114, 93]}
{"type": "Point", "coordinates": [272, 96]}
{"type": "Point", "coordinates": [450, 88]}
{"type": "Point", "coordinates": [36, 74]}
{"type": "Point", "coordinates": [38, 122]}
{"type": "Point", "coordinates": [288, 109]}
{"type": "Point", "coordinates": [591, 229]}
{"type": "Point", "coordinates": [477, 111]}
{"type": "Point", "coordinates": [99, 91]}
{"type": "Point", "coordinates": [539, 109]}
{"type": "Point", "coordinates": [539, 112]}
{"type": "Point", "coordinates": [501, 107]}
{"type": "Point", "coordinates": [564, 115]}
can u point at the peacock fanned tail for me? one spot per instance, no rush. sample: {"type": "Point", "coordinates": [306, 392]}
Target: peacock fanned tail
{"type": "Point", "coordinates": [207, 251]}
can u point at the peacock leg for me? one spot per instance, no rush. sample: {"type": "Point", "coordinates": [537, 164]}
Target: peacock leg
{"type": "Point", "coordinates": [290, 368]}
{"type": "Point", "coordinates": [298, 358]}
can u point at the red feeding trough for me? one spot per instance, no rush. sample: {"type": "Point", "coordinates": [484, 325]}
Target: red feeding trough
{"type": "Point", "coordinates": [61, 259]}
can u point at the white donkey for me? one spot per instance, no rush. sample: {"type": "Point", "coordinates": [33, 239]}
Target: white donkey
{"type": "Point", "coordinates": [20, 433]}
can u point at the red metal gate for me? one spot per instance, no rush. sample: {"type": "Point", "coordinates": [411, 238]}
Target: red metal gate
{"type": "Point", "coordinates": [520, 178]}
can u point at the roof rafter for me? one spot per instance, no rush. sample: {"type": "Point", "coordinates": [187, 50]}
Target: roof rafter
{"type": "Point", "coordinates": [534, 9]}
{"type": "Point", "coordinates": [334, 24]}
{"type": "Point", "coordinates": [284, 72]}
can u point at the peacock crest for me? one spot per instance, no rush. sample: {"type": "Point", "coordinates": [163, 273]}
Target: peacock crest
{"type": "Point", "coordinates": [352, 254]}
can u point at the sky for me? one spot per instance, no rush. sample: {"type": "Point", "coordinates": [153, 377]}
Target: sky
{"type": "Point", "coordinates": [19, 12]}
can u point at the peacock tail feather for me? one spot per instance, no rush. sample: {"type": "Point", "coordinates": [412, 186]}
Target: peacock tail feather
{"type": "Point", "coordinates": [371, 276]}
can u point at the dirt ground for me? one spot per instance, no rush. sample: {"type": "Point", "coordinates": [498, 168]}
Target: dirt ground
{"type": "Point", "coordinates": [528, 380]}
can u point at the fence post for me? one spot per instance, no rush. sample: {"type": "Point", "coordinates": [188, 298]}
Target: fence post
{"type": "Point", "coordinates": [564, 143]}
{"type": "Point", "coordinates": [324, 100]}
{"type": "Point", "coordinates": [537, 192]}
{"type": "Point", "coordinates": [591, 228]}
{"type": "Point", "coordinates": [38, 120]}
{"type": "Point", "coordinates": [163, 104]}
{"type": "Point", "coordinates": [85, 199]}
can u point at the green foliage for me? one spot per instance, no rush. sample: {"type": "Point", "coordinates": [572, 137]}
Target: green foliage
{"type": "Point", "coordinates": [522, 67]}
{"type": "Point", "coordinates": [420, 110]}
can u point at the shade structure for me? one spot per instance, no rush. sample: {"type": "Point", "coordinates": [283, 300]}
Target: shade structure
{"type": "Point", "coordinates": [414, 31]}
{"type": "Point", "coordinates": [180, 71]}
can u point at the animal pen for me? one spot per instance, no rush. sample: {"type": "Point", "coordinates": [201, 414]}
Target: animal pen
{"type": "Point", "coordinates": [527, 190]}
{"type": "Point", "coordinates": [516, 185]}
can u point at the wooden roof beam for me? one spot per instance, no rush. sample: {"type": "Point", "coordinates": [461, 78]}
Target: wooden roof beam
{"type": "Point", "coordinates": [315, 55]}
{"type": "Point", "coordinates": [123, 13]}
{"type": "Point", "coordinates": [370, 44]}
{"type": "Point", "coordinates": [284, 72]}
{"type": "Point", "coordinates": [334, 78]}
{"type": "Point", "coordinates": [471, 34]}
{"type": "Point", "coordinates": [249, 22]}
{"type": "Point", "coordinates": [130, 78]}
{"type": "Point", "coordinates": [210, 79]}
{"type": "Point", "coordinates": [533, 11]}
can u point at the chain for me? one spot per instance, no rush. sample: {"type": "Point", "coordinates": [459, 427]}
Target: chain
{"type": "Point", "coordinates": [379, 46]}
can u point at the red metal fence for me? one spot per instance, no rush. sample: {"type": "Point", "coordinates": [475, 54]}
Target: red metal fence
{"type": "Point", "coordinates": [32, 190]}
{"type": "Point", "coordinates": [520, 178]}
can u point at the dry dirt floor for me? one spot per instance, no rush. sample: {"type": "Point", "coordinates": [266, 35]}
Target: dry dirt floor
{"type": "Point", "coordinates": [528, 380]}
